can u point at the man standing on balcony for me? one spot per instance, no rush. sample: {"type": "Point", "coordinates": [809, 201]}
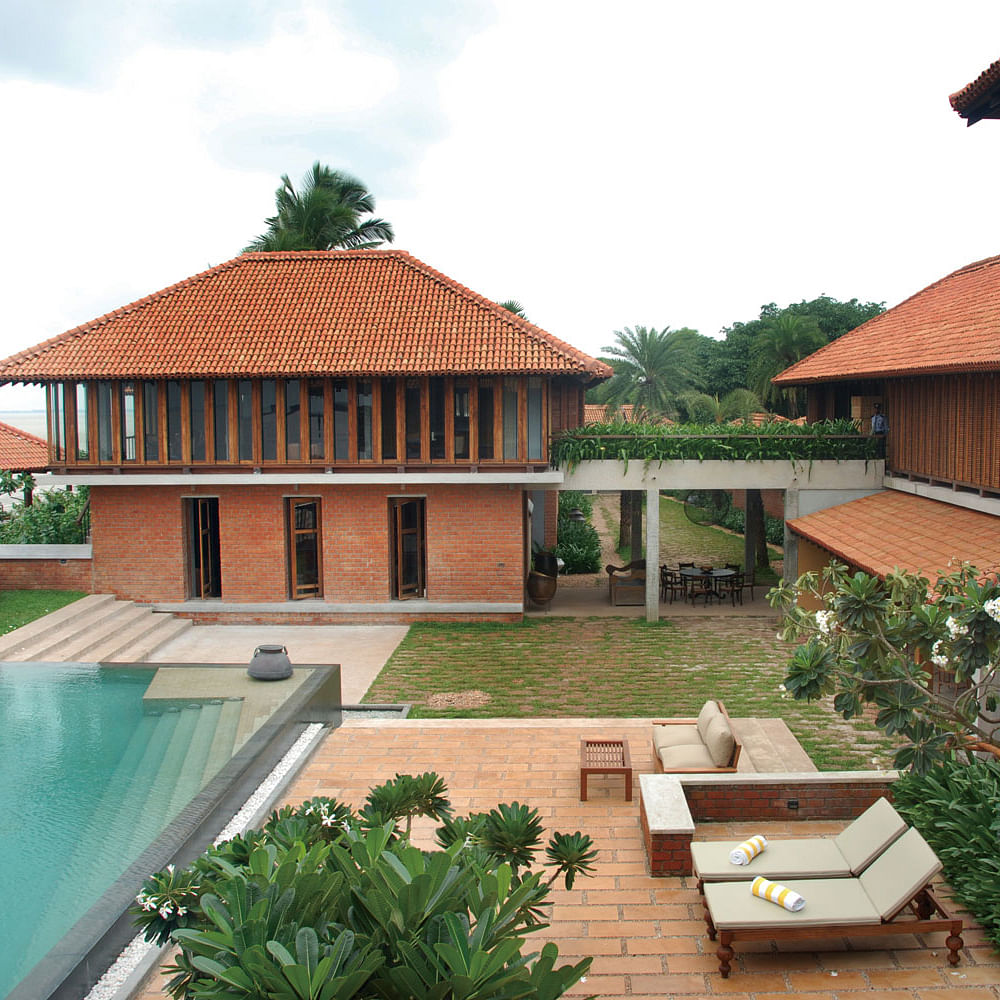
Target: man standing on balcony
{"type": "Point", "coordinates": [880, 427]}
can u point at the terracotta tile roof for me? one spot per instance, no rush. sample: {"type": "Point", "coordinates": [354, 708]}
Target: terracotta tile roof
{"type": "Point", "coordinates": [358, 312]}
{"type": "Point", "coordinates": [981, 98]}
{"type": "Point", "coordinates": [597, 413]}
{"type": "Point", "coordinates": [889, 529]}
{"type": "Point", "coordinates": [950, 326]}
{"type": "Point", "coordinates": [21, 451]}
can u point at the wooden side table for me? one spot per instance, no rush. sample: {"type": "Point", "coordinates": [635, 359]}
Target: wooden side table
{"type": "Point", "coordinates": [605, 757]}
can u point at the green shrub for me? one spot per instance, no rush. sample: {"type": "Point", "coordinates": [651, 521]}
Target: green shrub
{"type": "Point", "coordinates": [774, 528]}
{"type": "Point", "coordinates": [55, 517]}
{"type": "Point", "coordinates": [570, 500]}
{"type": "Point", "coordinates": [956, 807]}
{"type": "Point", "coordinates": [327, 904]}
{"type": "Point", "coordinates": [579, 547]}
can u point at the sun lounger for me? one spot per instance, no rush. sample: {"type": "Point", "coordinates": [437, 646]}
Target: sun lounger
{"type": "Point", "coordinates": [849, 853]}
{"type": "Point", "coordinates": [892, 896]}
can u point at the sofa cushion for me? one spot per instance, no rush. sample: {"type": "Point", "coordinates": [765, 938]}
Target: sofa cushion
{"type": "Point", "coordinates": [685, 758]}
{"type": "Point", "coordinates": [720, 742]}
{"type": "Point", "coordinates": [676, 736]}
{"type": "Point", "coordinates": [709, 711]}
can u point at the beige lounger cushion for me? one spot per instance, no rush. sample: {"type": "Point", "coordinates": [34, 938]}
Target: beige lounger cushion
{"type": "Point", "coordinates": [720, 742]}
{"type": "Point", "coordinates": [709, 711]}
{"type": "Point", "coordinates": [679, 735]}
{"type": "Point", "coordinates": [904, 868]}
{"type": "Point", "coordinates": [829, 902]}
{"type": "Point", "coordinates": [869, 835]}
{"type": "Point", "coordinates": [686, 757]}
{"type": "Point", "coordinates": [810, 857]}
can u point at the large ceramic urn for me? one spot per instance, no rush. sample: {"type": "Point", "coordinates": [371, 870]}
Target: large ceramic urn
{"type": "Point", "coordinates": [270, 663]}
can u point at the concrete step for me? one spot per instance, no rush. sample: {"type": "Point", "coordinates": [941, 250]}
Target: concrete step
{"type": "Point", "coordinates": [85, 645]}
{"type": "Point", "coordinates": [47, 645]}
{"type": "Point", "coordinates": [13, 643]}
{"type": "Point", "coordinates": [167, 627]}
{"type": "Point", "coordinates": [224, 742]}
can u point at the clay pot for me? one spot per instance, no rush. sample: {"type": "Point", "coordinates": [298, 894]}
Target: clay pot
{"type": "Point", "coordinates": [270, 663]}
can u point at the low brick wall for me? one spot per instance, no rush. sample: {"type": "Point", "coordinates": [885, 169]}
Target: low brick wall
{"type": "Point", "coordinates": [671, 804]}
{"type": "Point", "coordinates": [333, 618]}
{"type": "Point", "coordinates": [804, 796]}
{"type": "Point", "coordinates": [46, 567]}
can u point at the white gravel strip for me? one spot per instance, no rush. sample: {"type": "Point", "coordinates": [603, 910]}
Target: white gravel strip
{"type": "Point", "coordinates": [138, 948]}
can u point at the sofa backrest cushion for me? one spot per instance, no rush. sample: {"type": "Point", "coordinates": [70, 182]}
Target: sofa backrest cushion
{"type": "Point", "coordinates": [719, 741]}
{"type": "Point", "coordinates": [709, 711]}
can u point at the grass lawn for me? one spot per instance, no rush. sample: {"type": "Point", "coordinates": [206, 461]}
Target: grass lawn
{"type": "Point", "coordinates": [18, 607]}
{"type": "Point", "coordinates": [584, 667]}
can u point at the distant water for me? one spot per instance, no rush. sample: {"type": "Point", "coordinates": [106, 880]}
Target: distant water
{"type": "Point", "coordinates": [32, 421]}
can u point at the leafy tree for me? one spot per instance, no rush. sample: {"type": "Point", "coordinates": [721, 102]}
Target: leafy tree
{"type": "Point", "coordinates": [327, 213]}
{"type": "Point", "coordinates": [739, 404]}
{"type": "Point", "coordinates": [924, 659]}
{"type": "Point", "coordinates": [651, 367]}
{"type": "Point", "coordinates": [698, 408]}
{"type": "Point", "coordinates": [834, 318]}
{"type": "Point", "coordinates": [783, 340]}
{"type": "Point", "coordinates": [55, 517]}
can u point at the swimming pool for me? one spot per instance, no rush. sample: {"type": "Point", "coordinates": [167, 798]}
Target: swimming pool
{"type": "Point", "coordinates": [90, 777]}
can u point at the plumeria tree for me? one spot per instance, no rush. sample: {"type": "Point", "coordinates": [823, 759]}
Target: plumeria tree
{"type": "Point", "coordinates": [925, 659]}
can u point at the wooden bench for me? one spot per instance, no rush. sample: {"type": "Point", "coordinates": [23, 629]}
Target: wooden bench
{"type": "Point", "coordinates": [627, 584]}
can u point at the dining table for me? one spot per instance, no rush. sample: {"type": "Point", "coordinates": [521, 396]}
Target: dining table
{"type": "Point", "coordinates": [711, 576]}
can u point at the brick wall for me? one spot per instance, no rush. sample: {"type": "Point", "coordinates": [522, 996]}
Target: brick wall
{"type": "Point", "coordinates": [817, 799]}
{"type": "Point", "coordinates": [45, 574]}
{"type": "Point", "coordinates": [475, 545]}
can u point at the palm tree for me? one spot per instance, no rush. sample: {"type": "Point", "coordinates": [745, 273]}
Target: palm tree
{"type": "Point", "coordinates": [651, 366]}
{"type": "Point", "coordinates": [325, 214]}
{"type": "Point", "coordinates": [784, 340]}
{"type": "Point", "coordinates": [512, 305]}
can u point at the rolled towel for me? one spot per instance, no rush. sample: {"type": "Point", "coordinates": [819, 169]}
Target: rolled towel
{"type": "Point", "coordinates": [748, 850]}
{"type": "Point", "coordinates": [775, 893]}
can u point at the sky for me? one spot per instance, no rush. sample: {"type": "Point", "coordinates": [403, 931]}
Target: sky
{"type": "Point", "coordinates": [664, 163]}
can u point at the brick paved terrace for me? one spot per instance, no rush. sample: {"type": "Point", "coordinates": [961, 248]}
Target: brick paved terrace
{"type": "Point", "coordinates": [647, 935]}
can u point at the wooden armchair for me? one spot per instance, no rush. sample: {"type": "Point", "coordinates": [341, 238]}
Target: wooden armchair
{"type": "Point", "coordinates": [627, 584]}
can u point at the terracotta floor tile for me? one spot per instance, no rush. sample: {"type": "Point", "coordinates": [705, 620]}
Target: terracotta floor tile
{"type": "Point", "coordinates": [748, 982]}
{"type": "Point", "coordinates": [667, 985]}
{"type": "Point", "coordinates": [911, 978]}
{"type": "Point", "coordinates": [959, 993]}
{"type": "Point", "coordinates": [985, 974]}
{"type": "Point", "coordinates": [605, 965]}
{"type": "Point", "coordinates": [846, 980]}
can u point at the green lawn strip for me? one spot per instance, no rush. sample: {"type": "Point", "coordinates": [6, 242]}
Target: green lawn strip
{"type": "Point", "coordinates": [572, 667]}
{"type": "Point", "coordinates": [18, 607]}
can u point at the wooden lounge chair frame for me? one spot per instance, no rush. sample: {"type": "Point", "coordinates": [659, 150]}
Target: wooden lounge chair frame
{"type": "Point", "coordinates": [924, 912]}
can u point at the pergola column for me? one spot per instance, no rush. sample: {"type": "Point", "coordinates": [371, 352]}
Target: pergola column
{"type": "Point", "coordinates": [653, 554]}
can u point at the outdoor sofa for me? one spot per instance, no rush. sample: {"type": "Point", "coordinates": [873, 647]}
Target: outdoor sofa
{"type": "Point", "coordinates": [694, 746]}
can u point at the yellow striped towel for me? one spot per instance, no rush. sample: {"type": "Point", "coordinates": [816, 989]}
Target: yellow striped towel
{"type": "Point", "coordinates": [775, 893]}
{"type": "Point", "coordinates": [748, 850]}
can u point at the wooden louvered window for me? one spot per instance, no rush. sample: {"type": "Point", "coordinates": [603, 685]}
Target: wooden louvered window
{"type": "Point", "coordinates": [56, 395]}
{"type": "Point", "coordinates": [268, 420]}
{"type": "Point", "coordinates": [460, 430]}
{"type": "Point", "coordinates": [197, 412]}
{"type": "Point", "coordinates": [175, 437]}
{"type": "Point", "coordinates": [436, 413]}
{"type": "Point", "coordinates": [341, 421]}
{"type": "Point", "coordinates": [82, 424]}
{"type": "Point", "coordinates": [413, 415]}
{"type": "Point", "coordinates": [305, 578]}
{"type": "Point", "coordinates": [388, 413]}
{"type": "Point", "coordinates": [363, 417]}
{"type": "Point", "coordinates": [485, 423]}
{"type": "Point", "coordinates": [129, 428]}
{"type": "Point", "coordinates": [317, 433]}
{"type": "Point", "coordinates": [536, 420]}
{"type": "Point", "coordinates": [220, 418]}
{"type": "Point", "coordinates": [151, 421]}
{"type": "Point", "coordinates": [293, 420]}
{"type": "Point", "coordinates": [244, 419]}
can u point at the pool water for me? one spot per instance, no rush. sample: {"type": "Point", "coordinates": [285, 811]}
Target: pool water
{"type": "Point", "coordinates": [88, 779]}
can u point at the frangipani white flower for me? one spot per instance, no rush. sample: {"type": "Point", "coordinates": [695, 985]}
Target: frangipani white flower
{"type": "Point", "coordinates": [955, 629]}
{"type": "Point", "coordinates": [992, 608]}
{"type": "Point", "coordinates": [825, 620]}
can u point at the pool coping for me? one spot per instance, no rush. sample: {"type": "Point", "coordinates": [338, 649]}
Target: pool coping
{"type": "Point", "coordinates": [71, 968]}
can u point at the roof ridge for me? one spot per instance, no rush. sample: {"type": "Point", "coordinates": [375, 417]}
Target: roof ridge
{"type": "Point", "coordinates": [25, 435]}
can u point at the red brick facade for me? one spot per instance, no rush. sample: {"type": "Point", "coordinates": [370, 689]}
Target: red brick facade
{"type": "Point", "coordinates": [46, 574]}
{"type": "Point", "coordinates": [773, 500]}
{"type": "Point", "coordinates": [474, 542]}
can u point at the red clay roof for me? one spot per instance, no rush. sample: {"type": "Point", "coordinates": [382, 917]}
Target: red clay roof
{"type": "Point", "coordinates": [893, 529]}
{"type": "Point", "coordinates": [21, 451]}
{"type": "Point", "coordinates": [357, 312]}
{"type": "Point", "coordinates": [950, 326]}
{"type": "Point", "coordinates": [979, 99]}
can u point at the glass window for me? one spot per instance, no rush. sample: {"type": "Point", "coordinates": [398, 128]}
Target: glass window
{"type": "Point", "coordinates": [388, 420]}
{"type": "Point", "coordinates": [220, 391]}
{"type": "Point", "coordinates": [105, 448]}
{"type": "Point", "coordinates": [57, 414]}
{"type": "Point", "coordinates": [268, 420]}
{"type": "Point", "coordinates": [435, 407]}
{"type": "Point", "coordinates": [341, 425]}
{"type": "Point", "coordinates": [510, 429]}
{"type": "Point", "coordinates": [128, 421]}
{"type": "Point", "coordinates": [293, 421]}
{"type": "Point", "coordinates": [461, 426]}
{"type": "Point", "coordinates": [244, 419]}
{"type": "Point", "coordinates": [151, 420]}
{"type": "Point", "coordinates": [317, 444]}
{"type": "Point", "coordinates": [535, 442]}
{"type": "Point", "coordinates": [412, 404]}
{"type": "Point", "coordinates": [82, 426]}
{"type": "Point", "coordinates": [196, 409]}
{"type": "Point", "coordinates": [364, 415]}
{"type": "Point", "coordinates": [304, 549]}
{"type": "Point", "coordinates": [485, 419]}
{"type": "Point", "coordinates": [175, 447]}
